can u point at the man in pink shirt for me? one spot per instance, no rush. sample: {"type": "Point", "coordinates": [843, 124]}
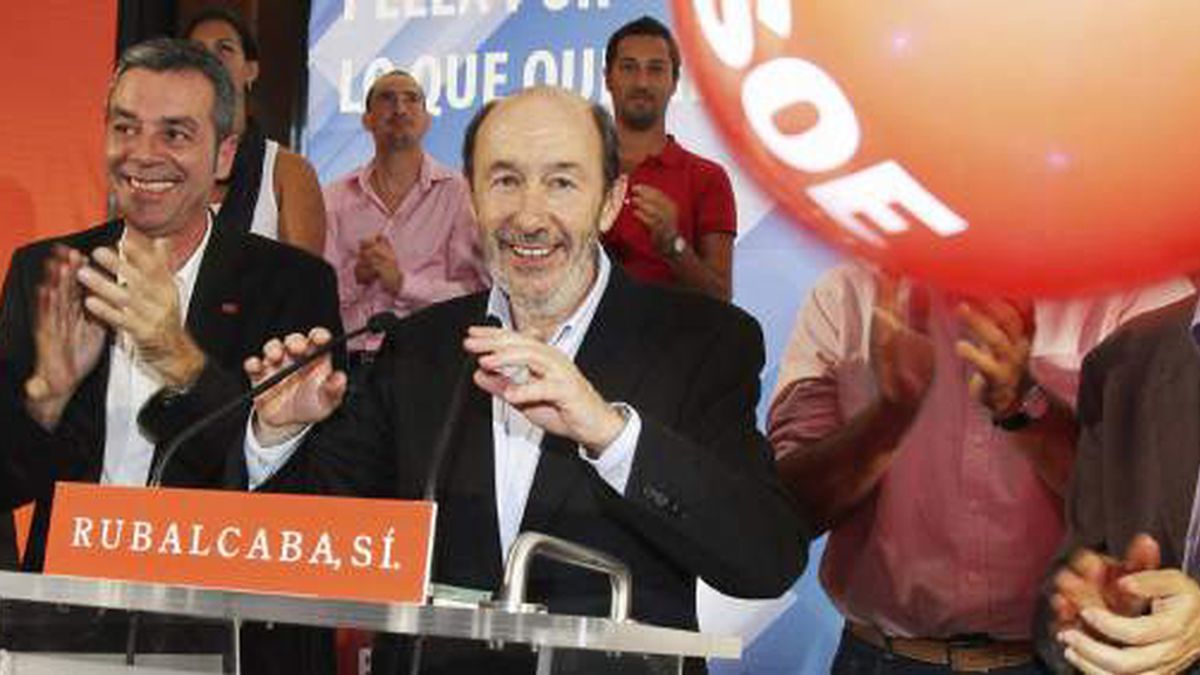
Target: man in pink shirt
{"type": "Point", "coordinates": [401, 233]}
{"type": "Point", "coordinates": [932, 436]}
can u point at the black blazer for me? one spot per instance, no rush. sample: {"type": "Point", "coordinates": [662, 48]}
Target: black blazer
{"type": "Point", "coordinates": [702, 500]}
{"type": "Point", "coordinates": [248, 290]}
{"type": "Point", "coordinates": [1139, 444]}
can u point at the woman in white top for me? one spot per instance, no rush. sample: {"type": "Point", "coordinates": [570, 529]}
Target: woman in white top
{"type": "Point", "coordinates": [271, 191]}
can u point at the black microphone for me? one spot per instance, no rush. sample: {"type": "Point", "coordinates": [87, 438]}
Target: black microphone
{"type": "Point", "coordinates": [441, 450]}
{"type": "Point", "coordinates": [383, 322]}
{"type": "Point", "coordinates": [458, 398]}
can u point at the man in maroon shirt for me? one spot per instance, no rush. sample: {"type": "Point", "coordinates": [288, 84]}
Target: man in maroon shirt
{"type": "Point", "coordinates": [678, 222]}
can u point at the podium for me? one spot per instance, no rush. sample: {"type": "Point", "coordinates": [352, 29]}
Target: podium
{"type": "Point", "coordinates": [562, 643]}
{"type": "Point", "coordinates": [170, 592]}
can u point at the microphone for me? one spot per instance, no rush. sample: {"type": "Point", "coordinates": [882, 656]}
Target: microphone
{"type": "Point", "coordinates": [382, 322]}
{"type": "Point", "coordinates": [441, 450]}
{"type": "Point", "coordinates": [458, 398]}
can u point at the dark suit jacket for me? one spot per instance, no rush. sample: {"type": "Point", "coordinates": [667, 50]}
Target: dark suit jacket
{"type": "Point", "coordinates": [702, 498]}
{"type": "Point", "coordinates": [248, 290]}
{"type": "Point", "coordinates": [1139, 444]}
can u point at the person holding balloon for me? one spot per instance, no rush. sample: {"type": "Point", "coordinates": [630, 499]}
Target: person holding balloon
{"type": "Point", "coordinates": [932, 436]}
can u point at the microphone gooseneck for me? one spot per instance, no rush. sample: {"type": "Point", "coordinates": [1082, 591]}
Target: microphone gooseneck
{"type": "Point", "coordinates": [441, 448]}
{"type": "Point", "coordinates": [383, 322]}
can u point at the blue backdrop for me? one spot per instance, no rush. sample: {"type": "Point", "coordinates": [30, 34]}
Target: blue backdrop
{"type": "Point", "coordinates": [465, 52]}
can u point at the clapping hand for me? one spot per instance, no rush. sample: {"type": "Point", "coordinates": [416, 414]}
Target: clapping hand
{"type": "Point", "coordinates": [998, 346]}
{"type": "Point", "coordinates": [67, 340]}
{"type": "Point", "coordinates": [139, 297]}
{"type": "Point", "coordinates": [902, 355]}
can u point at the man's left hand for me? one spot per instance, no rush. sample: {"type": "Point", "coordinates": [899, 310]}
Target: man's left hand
{"type": "Point", "coordinates": [1166, 640]}
{"type": "Point", "coordinates": [658, 213]}
{"type": "Point", "coordinates": [1090, 579]}
{"type": "Point", "coordinates": [142, 300]}
{"type": "Point", "coordinates": [544, 385]}
{"type": "Point", "coordinates": [998, 345]}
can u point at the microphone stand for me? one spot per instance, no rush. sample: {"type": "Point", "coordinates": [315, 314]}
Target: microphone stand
{"type": "Point", "coordinates": [379, 323]}
{"type": "Point", "coordinates": [383, 322]}
{"type": "Point", "coordinates": [441, 450]}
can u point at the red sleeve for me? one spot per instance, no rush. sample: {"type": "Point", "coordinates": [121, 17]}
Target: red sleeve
{"type": "Point", "coordinates": [804, 412]}
{"type": "Point", "coordinates": [716, 211]}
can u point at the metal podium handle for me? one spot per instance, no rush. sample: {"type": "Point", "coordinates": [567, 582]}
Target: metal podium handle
{"type": "Point", "coordinates": [531, 544]}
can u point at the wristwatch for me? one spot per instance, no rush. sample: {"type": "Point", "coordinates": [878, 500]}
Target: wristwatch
{"type": "Point", "coordinates": [1033, 407]}
{"type": "Point", "coordinates": [676, 248]}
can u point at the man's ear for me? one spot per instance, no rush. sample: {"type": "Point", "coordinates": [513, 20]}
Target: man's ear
{"type": "Point", "coordinates": [613, 202]}
{"type": "Point", "coordinates": [251, 74]}
{"type": "Point", "coordinates": [226, 150]}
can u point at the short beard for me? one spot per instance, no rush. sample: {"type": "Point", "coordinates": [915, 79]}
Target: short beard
{"type": "Point", "coordinates": [397, 143]}
{"type": "Point", "coordinates": [639, 121]}
{"type": "Point", "coordinates": [563, 297]}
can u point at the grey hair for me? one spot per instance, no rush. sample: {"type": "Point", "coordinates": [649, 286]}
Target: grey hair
{"type": "Point", "coordinates": [171, 55]}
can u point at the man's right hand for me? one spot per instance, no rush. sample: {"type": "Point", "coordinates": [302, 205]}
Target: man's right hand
{"type": "Point", "coordinates": [364, 268]}
{"type": "Point", "coordinates": [902, 355]}
{"type": "Point", "coordinates": [67, 340]}
{"type": "Point", "coordinates": [379, 256]}
{"type": "Point", "coordinates": [307, 397]}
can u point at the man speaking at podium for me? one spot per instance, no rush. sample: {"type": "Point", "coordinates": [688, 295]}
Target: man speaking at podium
{"type": "Point", "coordinates": [612, 414]}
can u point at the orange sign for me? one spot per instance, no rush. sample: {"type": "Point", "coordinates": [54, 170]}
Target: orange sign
{"type": "Point", "coordinates": [328, 547]}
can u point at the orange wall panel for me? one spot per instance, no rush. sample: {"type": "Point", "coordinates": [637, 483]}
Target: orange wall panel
{"type": "Point", "coordinates": [55, 62]}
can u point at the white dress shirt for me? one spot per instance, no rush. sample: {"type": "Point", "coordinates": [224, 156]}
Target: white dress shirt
{"type": "Point", "coordinates": [127, 453]}
{"type": "Point", "coordinates": [517, 441]}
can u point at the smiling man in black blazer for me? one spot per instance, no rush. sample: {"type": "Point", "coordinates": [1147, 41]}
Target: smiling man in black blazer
{"type": "Point", "coordinates": [602, 411]}
{"type": "Point", "coordinates": [112, 340]}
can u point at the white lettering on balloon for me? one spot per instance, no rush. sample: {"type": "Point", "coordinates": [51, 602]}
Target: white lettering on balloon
{"type": "Point", "coordinates": [871, 196]}
{"type": "Point", "coordinates": [875, 194]}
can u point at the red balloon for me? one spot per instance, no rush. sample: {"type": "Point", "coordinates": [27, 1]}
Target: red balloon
{"type": "Point", "coordinates": [1022, 147]}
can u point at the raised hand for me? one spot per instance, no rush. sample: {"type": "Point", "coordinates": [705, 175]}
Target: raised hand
{"type": "Point", "coordinates": [379, 260]}
{"type": "Point", "coordinates": [139, 297]}
{"type": "Point", "coordinates": [307, 397]}
{"type": "Point", "coordinates": [657, 213]}
{"type": "Point", "coordinates": [68, 342]}
{"type": "Point", "coordinates": [1000, 339]}
{"type": "Point", "coordinates": [542, 383]}
{"type": "Point", "coordinates": [364, 271]}
{"type": "Point", "coordinates": [902, 355]}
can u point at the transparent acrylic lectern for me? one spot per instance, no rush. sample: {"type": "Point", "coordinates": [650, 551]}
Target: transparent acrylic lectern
{"type": "Point", "coordinates": [563, 644]}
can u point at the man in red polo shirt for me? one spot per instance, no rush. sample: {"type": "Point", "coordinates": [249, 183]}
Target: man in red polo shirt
{"type": "Point", "coordinates": [678, 222]}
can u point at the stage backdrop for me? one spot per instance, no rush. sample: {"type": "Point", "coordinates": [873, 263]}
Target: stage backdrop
{"type": "Point", "coordinates": [466, 52]}
{"type": "Point", "coordinates": [55, 62]}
